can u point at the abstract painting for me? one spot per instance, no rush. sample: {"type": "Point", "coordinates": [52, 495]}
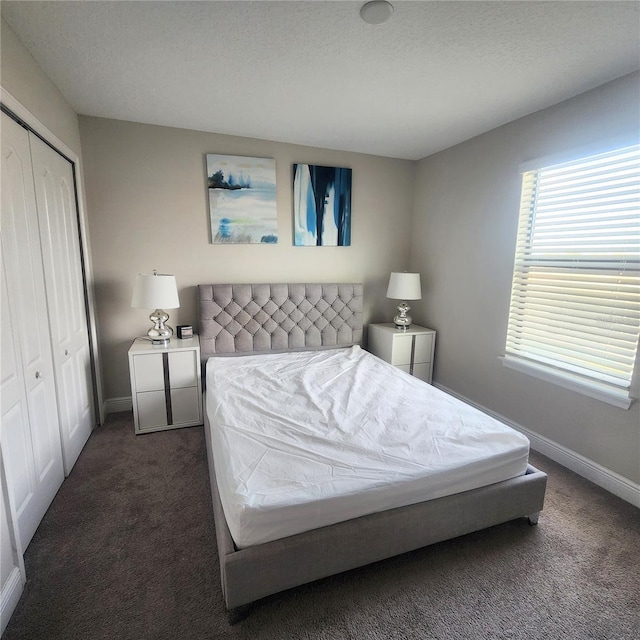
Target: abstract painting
{"type": "Point", "coordinates": [242, 200]}
{"type": "Point", "coordinates": [321, 206]}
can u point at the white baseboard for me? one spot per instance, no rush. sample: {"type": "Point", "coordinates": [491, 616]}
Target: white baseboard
{"type": "Point", "coordinates": [9, 596]}
{"type": "Point", "coordinates": [596, 473]}
{"type": "Point", "coordinates": [115, 405]}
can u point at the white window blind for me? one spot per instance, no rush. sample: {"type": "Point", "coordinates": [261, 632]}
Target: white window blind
{"type": "Point", "coordinates": [575, 299]}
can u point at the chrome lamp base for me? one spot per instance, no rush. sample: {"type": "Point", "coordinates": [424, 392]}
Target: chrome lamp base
{"type": "Point", "coordinates": [403, 319]}
{"type": "Point", "coordinates": [160, 333]}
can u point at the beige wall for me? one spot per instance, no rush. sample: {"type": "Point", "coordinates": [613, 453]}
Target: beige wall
{"type": "Point", "coordinates": [23, 78]}
{"type": "Point", "coordinates": [464, 230]}
{"type": "Point", "coordinates": [148, 208]}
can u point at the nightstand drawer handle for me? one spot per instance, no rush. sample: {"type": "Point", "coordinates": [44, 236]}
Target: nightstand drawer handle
{"type": "Point", "coordinates": [38, 375]}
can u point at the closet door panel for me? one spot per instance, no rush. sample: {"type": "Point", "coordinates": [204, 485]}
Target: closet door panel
{"type": "Point", "coordinates": [59, 238]}
{"type": "Point", "coordinates": [30, 431]}
{"type": "Point", "coordinates": [15, 441]}
{"type": "Point", "coordinates": [15, 434]}
{"type": "Point", "coordinates": [21, 244]}
{"type": "Point", "coordinates": [12, 573]}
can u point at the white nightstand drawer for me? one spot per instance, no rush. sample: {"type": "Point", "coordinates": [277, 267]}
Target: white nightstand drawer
{"type": "Point", "coordinates": [185, 405]}
{"type": "Point", "coordinates": [401, 350]}
{"type": "Point", "coordinates": [148, 372]}
{"type": "Point", "coordinates": [152, 409]}
{"type": "Point", "coordinates": [403, 345]}
{"type": "Point", "coordinates": [422, 370]}
{"type": "Point", "coordinates": [183, 369]}
{"type": "Point", "coordinates": [423, 348]}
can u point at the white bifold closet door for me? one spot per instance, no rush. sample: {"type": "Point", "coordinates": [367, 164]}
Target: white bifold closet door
{"type": "Point", "coordinates": [30, 434]}
{"type": "Point", "coordinates": [60, 242]}
{"type": "Point", "coordinates": [47, 388]}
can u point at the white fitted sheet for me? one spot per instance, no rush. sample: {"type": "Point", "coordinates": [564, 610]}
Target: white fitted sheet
{"type": "Point", "coordinates": [305, 440]}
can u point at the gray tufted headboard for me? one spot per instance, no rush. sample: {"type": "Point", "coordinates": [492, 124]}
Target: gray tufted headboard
{"type": "Point", "coordinates": [242, 318]}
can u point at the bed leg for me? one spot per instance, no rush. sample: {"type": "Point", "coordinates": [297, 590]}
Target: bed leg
{"type": "Point", "coordinates": [533, 518]}
{"type": "Point", "coordinates": [238, 614]}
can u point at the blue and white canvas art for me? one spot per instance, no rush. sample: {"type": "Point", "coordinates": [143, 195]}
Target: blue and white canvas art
{"type": "Point", "coordinates": [321, 206]}
{"type": "Point", "coordinates": [242, 199]}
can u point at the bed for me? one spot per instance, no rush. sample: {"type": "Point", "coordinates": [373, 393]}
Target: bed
{"type": "Point", "coordinates": [359, 497]}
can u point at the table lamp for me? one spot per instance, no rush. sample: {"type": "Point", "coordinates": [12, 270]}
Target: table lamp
{"type": "Point", "coordinates": [156, 291]}
{"type": "Point", "coordinates": [404, 286]}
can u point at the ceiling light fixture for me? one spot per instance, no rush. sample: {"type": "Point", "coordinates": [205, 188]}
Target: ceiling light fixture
{"type": "Point", "coordinates": [376, 12]}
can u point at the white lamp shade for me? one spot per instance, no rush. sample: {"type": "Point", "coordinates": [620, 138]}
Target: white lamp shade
{"type": "Point", "coordinates": [404, 286]}
{"type": "Point", "coordinates": [155, 291]}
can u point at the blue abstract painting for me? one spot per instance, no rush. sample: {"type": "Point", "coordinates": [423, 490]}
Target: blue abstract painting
{"type": "Point", "coordinates": [321, 206]}
{"type": "Point", "coordinates": [242, 199]}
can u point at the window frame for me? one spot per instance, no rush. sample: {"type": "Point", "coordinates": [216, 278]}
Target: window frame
{"type": "Point", "coordinates": [545, 371]}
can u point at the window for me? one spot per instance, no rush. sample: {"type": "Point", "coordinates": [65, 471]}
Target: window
{"type": "Point", "coordinates": [574, 316]}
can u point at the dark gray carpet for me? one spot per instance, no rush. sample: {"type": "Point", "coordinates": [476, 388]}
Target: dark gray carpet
{"type": "Point", "coordinates": [127, 551]}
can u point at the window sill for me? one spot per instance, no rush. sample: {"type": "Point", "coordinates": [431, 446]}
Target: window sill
{"type": "Point", "coordinates": [592, 390]}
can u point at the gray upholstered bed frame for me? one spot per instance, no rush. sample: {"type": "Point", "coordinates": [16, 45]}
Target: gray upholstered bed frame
{"type": "Point", "coordinates": [242, 318]}
{"type": "Point", "coordinates": [247, 318]}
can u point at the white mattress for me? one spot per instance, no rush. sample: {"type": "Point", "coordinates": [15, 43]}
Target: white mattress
{"type": "Point", "coordinates": [304, 440]}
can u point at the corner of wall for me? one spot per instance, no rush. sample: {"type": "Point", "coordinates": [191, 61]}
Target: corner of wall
{"type": "Point", "coordinates": [23, 78]}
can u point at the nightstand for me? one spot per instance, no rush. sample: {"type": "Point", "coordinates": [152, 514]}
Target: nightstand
{"type": "Point", "coordinates": [165, 384]}
{"type": "Point", "coordinates": [411, 350]}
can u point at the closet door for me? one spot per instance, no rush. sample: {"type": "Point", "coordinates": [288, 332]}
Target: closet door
{"type": "Point", "coordinates": [30, 435]}
{"type": "Point", "coordinates": [60, 242]}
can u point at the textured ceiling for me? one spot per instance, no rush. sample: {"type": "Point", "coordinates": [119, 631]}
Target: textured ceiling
{"type": "Point", "coordinates": [313, 73]}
